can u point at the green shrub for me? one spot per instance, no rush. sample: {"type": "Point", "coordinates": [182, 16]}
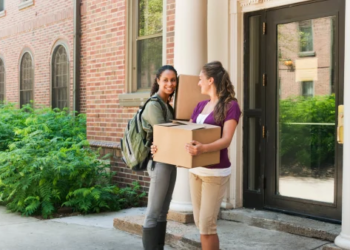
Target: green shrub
{"type": "Point", "coordinates": [46, 163]}
{"type": "Point", "coordinates": [305, 144]}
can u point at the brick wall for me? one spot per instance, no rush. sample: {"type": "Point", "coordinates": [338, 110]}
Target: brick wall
{"type": "Point", "coordinates": [36, 28]}
{"type": "Point", "coordinates": [103, 71]}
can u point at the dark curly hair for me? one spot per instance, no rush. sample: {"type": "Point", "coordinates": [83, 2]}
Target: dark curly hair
{"type": "Point", "coordinates": [224, 88]}
{"type": "Point", "coordinates": [155, 86]}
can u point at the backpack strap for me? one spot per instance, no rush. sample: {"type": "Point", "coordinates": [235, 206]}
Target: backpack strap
{"type": "Point", "coordinates": [157, 98]}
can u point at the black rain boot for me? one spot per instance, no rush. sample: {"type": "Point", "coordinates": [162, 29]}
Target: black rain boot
{"type": "Point", "coordinates": [150, 238]}
{"type": "Point", "coordinates": [161, 228]}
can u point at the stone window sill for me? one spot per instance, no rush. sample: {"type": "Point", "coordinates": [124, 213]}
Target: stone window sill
{"type": "Point", "coordinates": [104, 144]}
{"type": "Point", "coordinates": [307, 54]}
{"type": "Point", "coordinates": [2, 13]}
{"type": "Point", "coordinates": [133, 99]}
{"type": "Point", "coordinates": [25, 4]}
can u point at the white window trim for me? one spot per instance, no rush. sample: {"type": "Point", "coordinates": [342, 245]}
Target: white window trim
{"type": "Point", "coordinates": [250, 5]}
{"type": "Point", "coordinates": [25, 4]}
{"type": "Point", "coordinates": [137, 98]}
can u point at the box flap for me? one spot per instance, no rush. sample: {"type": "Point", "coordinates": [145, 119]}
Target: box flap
{"type": "Point", "coordinates": [182, 122]}
{"type": "Point", "coordinates": [192, 126]}
{"type": "Point", "coordinates": [183, 125]}
{"type": "Point", "coordinates": [168, 124]}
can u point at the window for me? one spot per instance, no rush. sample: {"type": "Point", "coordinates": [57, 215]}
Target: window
{"type": "Point", "coordinates": [60, 78]}
{"type": "Point", "coordinates": [2, 81]}
{"type": "Point", "coordinates": [26, 79]}
{"type": "Point", "coordinates": [306, 36]}
{"type": "Point", "coordinates": [147, 43]}
{"type": "Point", "coordinates": [144, 49]}
{"type": "Point", "coordinates": [2, 7]}
{"type": "Point", "coordinates": [307, 88]}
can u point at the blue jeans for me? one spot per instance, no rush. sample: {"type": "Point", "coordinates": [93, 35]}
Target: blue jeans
{"type": "Point", "coordinates": [161, 188]}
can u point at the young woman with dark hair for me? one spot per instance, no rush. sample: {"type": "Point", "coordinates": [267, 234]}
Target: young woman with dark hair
{"type": "Point", "coordinates": [163, 176]}
{"type": "Point", "coordinates": [208, 184]}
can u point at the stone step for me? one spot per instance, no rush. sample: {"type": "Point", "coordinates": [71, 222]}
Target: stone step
{"type": "Point", "coordinates": [331, 247]}
{"type": "Point", "coordinates": [233, 236]}
{"type": "Point", "coordinates": [284, 223]}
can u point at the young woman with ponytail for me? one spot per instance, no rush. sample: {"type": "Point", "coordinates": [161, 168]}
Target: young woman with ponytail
{"type": "Point", "coordinates": [163, 176]}
{"type": "Point", "coordinates": [208, 184]}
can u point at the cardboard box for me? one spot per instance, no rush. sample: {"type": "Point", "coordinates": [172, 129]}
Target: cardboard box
{"type": "Point", "coordinates": [187, 96]}
{"type": "Point", "coordinates": [171, 139]}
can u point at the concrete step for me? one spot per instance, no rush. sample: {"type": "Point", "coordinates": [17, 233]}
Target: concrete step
{"type": "Point", "coordinates": [284, 223]}
{"type": "Point", "coordinates": [233, 236]}
{"type": "Point", "coordinates": [331, 247]}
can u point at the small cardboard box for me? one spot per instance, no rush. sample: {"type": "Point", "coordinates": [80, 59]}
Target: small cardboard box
{"type": "Point", "coordinates": [188, 95]}
{"type": "Point", "coordinates": [171, 139]}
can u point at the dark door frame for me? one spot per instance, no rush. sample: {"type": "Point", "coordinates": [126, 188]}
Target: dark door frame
{"type": "Point", "coordinates": [254, 198]}
{"type": "Point", "coordinates": [265, 197]}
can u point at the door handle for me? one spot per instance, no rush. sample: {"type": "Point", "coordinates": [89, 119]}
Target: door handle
{"type": "Point", "coordinates": [340, 128]}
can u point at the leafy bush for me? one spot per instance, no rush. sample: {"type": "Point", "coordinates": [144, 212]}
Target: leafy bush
{"type": "Point", "coordinates": [46, 163]}
{"type": "Point", "coordinates": [306, 144]}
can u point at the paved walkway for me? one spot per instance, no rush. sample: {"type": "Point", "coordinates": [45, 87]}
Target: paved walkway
{"type": "Point", "coordinates": [95, 232]}
{"type": "Point", "coordinates": [92, 232]}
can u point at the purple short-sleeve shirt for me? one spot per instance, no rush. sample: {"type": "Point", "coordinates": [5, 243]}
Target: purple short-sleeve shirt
{"type": "Point", "coordinates": [233, 112]}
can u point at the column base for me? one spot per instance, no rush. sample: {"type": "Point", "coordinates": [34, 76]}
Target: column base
{"type": "Point", "coordinates": [343, 241]}
{"type": "Point", "coordinates": [181, 206]}
{"type": "Point", "coordinates": [226, 205]}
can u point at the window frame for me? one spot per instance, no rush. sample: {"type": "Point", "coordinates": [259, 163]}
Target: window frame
{"type": "Point", "coordinates": [302, 89]}
{"type": "Point", "coordinates": [26, 50]}
{"type": "Point", "coordinates": [309, 53]}
{"type": "Point", "coordinates": [25, 4]}
{"type": "Point", "coordinates": [4, 65]}
{"type": "Point", "coordinates": [52, 65]}
{"type": "Point", "coordinates": [3, 10]}
{"type": "Point", "coordinates": [133, 96]}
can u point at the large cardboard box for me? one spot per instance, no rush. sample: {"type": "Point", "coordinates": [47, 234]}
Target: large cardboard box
{"type": "Point", "coordinates": [187, 96]}
{"type": "Point", "coordinates": [171, 139]}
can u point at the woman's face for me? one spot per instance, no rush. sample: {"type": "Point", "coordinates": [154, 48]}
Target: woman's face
{"type": "Point", "coordinates": [167, 82]}
{"type": "Point", "coordinates": [205, 83]}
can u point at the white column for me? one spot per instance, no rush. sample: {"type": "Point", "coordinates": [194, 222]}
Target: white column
{"type": "Point", "coordinates": [235, 192]}
{"type": "Point", "coordinates": [165, 30]}
{"type": "Point", "coordinates": [190, 54]}
{"type": "Point", "coordinates": [343, 240]}
{"type": "Point", "coordinates": [218, 31]}
{"type": "Point", "coordinates": [218, 50]}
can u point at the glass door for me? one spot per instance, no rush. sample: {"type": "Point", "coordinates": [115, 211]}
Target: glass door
{"type": "Point", "coordinates": [304, 71]}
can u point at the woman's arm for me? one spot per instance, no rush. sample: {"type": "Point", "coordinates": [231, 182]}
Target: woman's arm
{"type": "Point", "coordinates": [196, 148]}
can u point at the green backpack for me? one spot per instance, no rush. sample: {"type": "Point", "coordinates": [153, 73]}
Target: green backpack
{"type": "Point", "coordinates": [135, 144]}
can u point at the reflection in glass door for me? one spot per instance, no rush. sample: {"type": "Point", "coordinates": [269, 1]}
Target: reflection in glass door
{"type": "Point", "coordinates": [306, 110]}
{"type": "Point", "coordinates": [304, 70]}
